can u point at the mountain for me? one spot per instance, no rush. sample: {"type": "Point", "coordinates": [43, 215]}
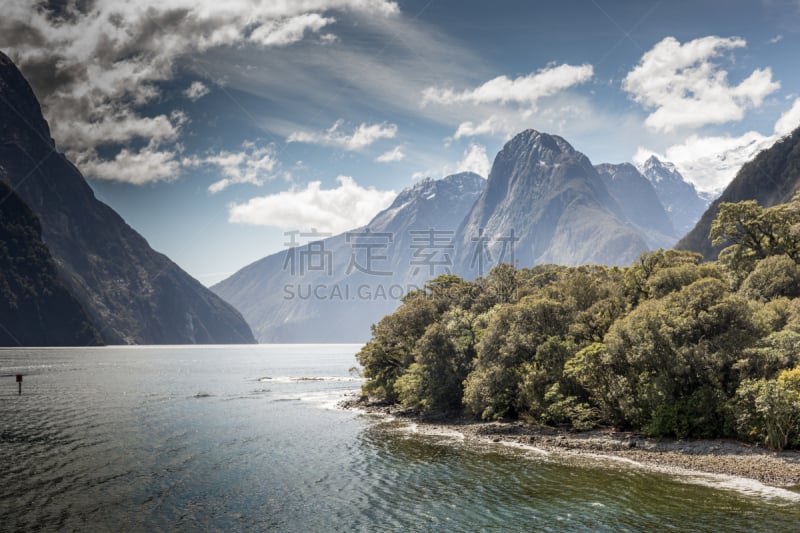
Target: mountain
{"type": "Point", "coordinates": [131, 293]}
{"type": "Point", "coordinates": [36, 309]}
{"type": "Point", "coordinates": [549, 199]}
{"type": "Point", "coordinates": [683, 203]}
{"type": "Point", "coordinates": [771, 178]}
{"type": "Point", "coordinates": [332, 289]}
{"type": "Point", "coordinates": [639, 203]}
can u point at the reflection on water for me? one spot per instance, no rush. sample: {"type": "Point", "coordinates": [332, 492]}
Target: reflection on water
{"type": "Point", "coordinates": [245, 438]}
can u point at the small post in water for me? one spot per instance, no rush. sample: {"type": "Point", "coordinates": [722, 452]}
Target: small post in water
{"type": "Point", "coordinates": [19, 382]}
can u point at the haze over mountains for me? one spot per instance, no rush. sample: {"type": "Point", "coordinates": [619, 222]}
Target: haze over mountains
{"type": "Point", "coordinates": [543, 202]}
{"type": "Point", "coordinates": [131, 293]}
{"type": "Point", "coordinates": [333, 289]}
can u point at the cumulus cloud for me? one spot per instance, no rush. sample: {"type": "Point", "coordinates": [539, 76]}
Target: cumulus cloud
{"type": "Point", "coordinates": [250, 165]}
{"type": "Point", "coordinates": [362, 136]}
{"type": "Point", "coordinates": [196, 91]}
{"type": "Point", "coordinates": [522, 90]}
{"type": "Point", "coordinates": [147, 165]}
{"type": "Point", "coordinates": [711, 162]}
{"type": "Point", "coordinates": [475, 160]}
{"type": "Point", "coordinates": [491, 126]}
{"type": "Point", "coordinates": [502, 105]}
{"type": "Point", "coordinates": [684, 87]}
{"type": "Point", "coordinates": [395, 154]}
{"type": "Point", "coordinates": [95, 64]}
{"type": "Point", "coordinates": [336, 210]}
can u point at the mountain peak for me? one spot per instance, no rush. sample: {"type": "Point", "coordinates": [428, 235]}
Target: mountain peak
{"type": "Point", "coordinates": [23, 121]}
{"type": "Point", "coordinates": [683, 203]}
{"type": "Point", "coordinates": [654, 164]}
{"type": "Point", "coordinates": [539, 145]}
{"type": "Point", "coordinates": [454, 184]}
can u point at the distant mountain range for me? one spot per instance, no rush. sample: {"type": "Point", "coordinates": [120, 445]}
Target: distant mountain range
{"type": "Point", "coordinates": [684, 205]}
{"type": "Point", "coordinates": [333, 288]}
{"type": "Point", "coordinates": [543, 202]}
{"type": "Point", "coordinates": [771, 178]}
{"type": "Point", "coordinates": [130, 293]}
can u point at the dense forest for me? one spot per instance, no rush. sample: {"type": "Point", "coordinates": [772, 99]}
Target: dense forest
{"type": "Point", "coordinates": [669, 346]}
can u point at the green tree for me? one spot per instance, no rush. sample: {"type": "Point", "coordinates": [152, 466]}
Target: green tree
{"type": "Point", "coordinates": [443, 358]}
{"type": "Point", "coordinates": [512, 337]}
{"type": "Point", "coordinates": [769, 410]}
{"type": "Point", "coordinates": [667, 350]}
{"type": "Point", "coordinates": [391, 350]}
{"type": "Point", "coordinates": [772, 277]}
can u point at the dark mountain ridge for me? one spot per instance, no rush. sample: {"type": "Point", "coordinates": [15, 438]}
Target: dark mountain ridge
{"type": "Point", "coordinates": [133, 294]}
{"type": "Point", "coordinates": [36, 309]}
{"type": "Point", "coordinates": [771, 178]}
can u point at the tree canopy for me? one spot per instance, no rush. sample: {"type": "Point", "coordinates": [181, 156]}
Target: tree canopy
{"type": "Point", "coordinates": [666, 346]}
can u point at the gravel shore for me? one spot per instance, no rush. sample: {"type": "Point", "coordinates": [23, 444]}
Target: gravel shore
{"type": "Point", "coordinates": [720, 456]}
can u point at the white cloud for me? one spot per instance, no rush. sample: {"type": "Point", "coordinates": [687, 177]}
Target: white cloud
{"type": "Point", "coordinates": [711, 162]}
{"type": "Point", "coordinates": [491, 126]}
{"type": "Point", "coordinates": [196, 91]}
{"type": "Point", "coordinates": [148, 165]}
{"type": "Point", "coordinates": [789, 120]}
{"type": "Point", "coordinates": [120, 128]}
{"type": "Point", "coordinates": [475, 160]}
{"type": "Point", "coordinates": [778, 38]}
{"type": "Point", "coordinates": [290, 30]}
{"type": "Point", "coordinates": [94, 64]}
{"type": "Point", "coordinates": [683, 87]}
{"type": "Point", "coordinates": [343, 208]}
{"type": "Point", "coordinates": [522, 90]}
{"type": "Point", "coordinates": [251, 165]}
{"type": "Point", "coordinates": [362, 136]}
{"type": "Point", "coordinates": [395, 154]}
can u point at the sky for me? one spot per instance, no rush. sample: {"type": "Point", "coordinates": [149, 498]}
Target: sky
{"type": "Point", "coordinates": [216, 127]}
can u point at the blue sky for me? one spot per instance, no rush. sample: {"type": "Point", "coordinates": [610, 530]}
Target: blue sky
{"type": "Point", "coordinates": [214, 127]}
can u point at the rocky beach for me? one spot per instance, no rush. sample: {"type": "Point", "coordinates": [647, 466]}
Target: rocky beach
{"type": "Point", "coordinates": [716, 457]}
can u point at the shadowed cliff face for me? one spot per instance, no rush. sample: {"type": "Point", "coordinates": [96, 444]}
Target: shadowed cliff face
{"type": "Point", "coordinates": [132, 293]}
{"type": "Point", "coordinates": [772, 178]}
{"type": "Point", "coordinates": [36, 309]}
{"type": "Point", "coordinates": [555, 203]}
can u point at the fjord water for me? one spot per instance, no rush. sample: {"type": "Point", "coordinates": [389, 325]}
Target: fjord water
{"type": "Point", "coordinates": [227, 438]}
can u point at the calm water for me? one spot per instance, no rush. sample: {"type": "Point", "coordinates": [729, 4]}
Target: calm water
{"type": "Point", "coordinates": [245, 438]}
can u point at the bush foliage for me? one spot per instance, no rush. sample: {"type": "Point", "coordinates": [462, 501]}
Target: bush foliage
{"type": "Point", "coordinates": [668, 346]}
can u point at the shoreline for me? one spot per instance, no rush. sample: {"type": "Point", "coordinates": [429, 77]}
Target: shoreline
{"type": "Point", "coordinates": [725, 462]}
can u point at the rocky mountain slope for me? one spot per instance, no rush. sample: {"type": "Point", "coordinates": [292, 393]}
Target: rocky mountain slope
{"type": "Point", "coordinates": [639, 203]}
{"type": "Point", "coordinates": [684, 205]}
{"type": "Point", "coordinates": [549, 199]}
{"type": "Point", "coordinates": [131, 293]}
{"type": "Point", "coordinates": [332, 289]}
{"type": "Point", "coordinates": [36, 309]}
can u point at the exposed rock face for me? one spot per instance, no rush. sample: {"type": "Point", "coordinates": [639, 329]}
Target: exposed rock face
{"type": "Point", "coordinates": [772, 178]}
{"type": "Point", "coordinates": [132, 293]}
{"type": "Point", "coordinates": [548, 196]}
{"type": "Point", "coordinates": [639, 203]}
{"type": "Point", "coordinates": [683, 203]}
{"type": "Point", "coordinates": [286, 298]}
{"type": "Point", "coordinates": [36, 309]}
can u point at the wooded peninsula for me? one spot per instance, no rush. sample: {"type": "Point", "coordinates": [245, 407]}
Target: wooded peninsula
{"type": "Point", "coordinates": [669, 346]}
